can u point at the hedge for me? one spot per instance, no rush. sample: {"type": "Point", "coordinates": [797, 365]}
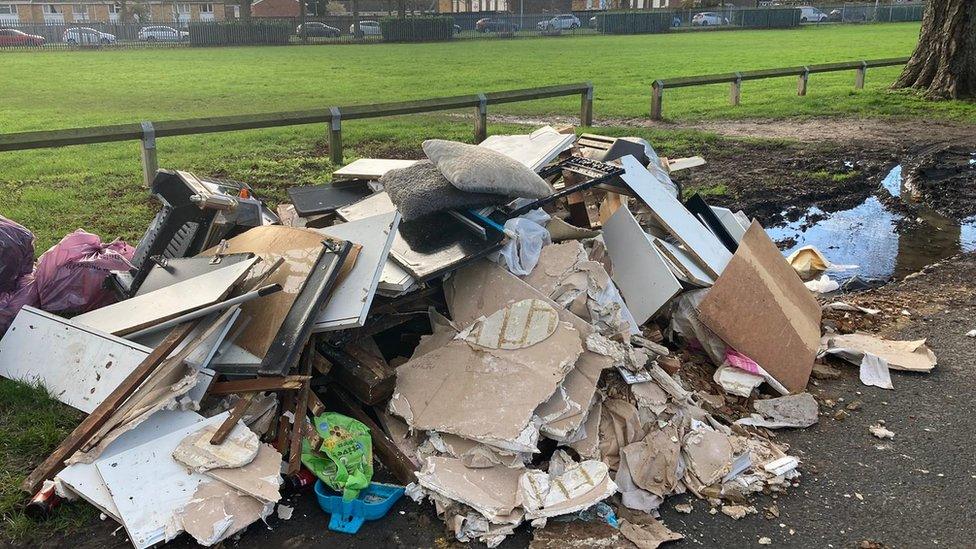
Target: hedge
{"type": "Point", "coordinates": [634, 22]}
{"type": "Point", "coordinates": [238, 33]}
{"type": "Point", "coordinates": [417, 29]}
{"type": "Point", "coordinates": [767, 18]}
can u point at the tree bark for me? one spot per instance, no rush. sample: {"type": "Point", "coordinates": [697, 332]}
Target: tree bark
{"type": "Point", "coordinates": [944, 62]}
{"type": "Point", "coordinates": [245, 10]}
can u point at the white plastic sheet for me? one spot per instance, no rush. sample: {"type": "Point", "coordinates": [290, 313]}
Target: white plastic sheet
{"type": "Point", "coordinates": [521, 252]}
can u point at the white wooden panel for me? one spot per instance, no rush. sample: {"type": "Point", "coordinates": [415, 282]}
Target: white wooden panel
{"type": "Point", "coordinates": [672, 215]}
{"type": "Point", "coordinates": [78, 365]}
{"type": "Point", "coordinates": [370, 168]}
{"type": "Point", "coordinates": [534, 150]}
{"type": "Point", "coordinates": [680, 257]}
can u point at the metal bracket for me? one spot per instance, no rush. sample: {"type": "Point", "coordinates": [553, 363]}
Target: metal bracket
{"type": "Point", "coordinates": [148, 135]}
{"type": "Point", "coordinates": [738, 76]}
{"type": "Point", "coordinates": [659, 84]}
{"type": "Point", "coordinates": [336, 123]}
{"type": "Point", "coordinates": [482, 104]}
{"type": "Point", "coordinates": [806, 71]}
{"type": "Point", "coordinates": [589, 92]}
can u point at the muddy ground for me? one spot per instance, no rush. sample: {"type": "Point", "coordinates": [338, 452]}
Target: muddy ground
{"type": "Point", "coordinates": [916, 490]}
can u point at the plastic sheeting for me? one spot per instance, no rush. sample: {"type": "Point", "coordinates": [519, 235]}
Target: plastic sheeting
{"type": "Point", "coordinates": [521, 253]}
{"type": "Point", "coordinates": [71, 274]}
{"type": "Point", "coordinates": [16, 254]}
{"type": "Point", "coordinates": [11, 302]}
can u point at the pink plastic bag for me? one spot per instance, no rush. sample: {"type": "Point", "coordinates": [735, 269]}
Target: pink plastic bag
{"type": "Point", "coordinates": [70, 275]}
{"type": "Point", "coordinates": [11, 302]}
{"type": "Point", "coordinates": [16, 253]}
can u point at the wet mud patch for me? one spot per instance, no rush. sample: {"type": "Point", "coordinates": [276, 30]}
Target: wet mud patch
{"type": "Point", "coordinates": [943, 178]}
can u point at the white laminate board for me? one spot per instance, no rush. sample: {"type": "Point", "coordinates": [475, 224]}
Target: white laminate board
{"type": "Point", "coordinates": [534, 150]}
{"type": "Point", "coordinates": [703, 246]}
{"type": "Point", "coordinates": [84, 479]}
{"type": "Point", "coordinates": [78, 365]}
{"type": "Point", "coordinates": [149, 487]}
{"type": "Point", "coordinates": [165, 303]}
{"type": "Point", "coordinates": [370, 168]}
{"type": "Point", "coordinates": [678, 256]}
{"type": "Point", "coordinates": [349, 302]}
{"type": "Point", "coordinates": [730, 222]}
{"type": "Point", "coordinates": [641, 274]}
{"type": "Point", "coordinates": [394, 279]}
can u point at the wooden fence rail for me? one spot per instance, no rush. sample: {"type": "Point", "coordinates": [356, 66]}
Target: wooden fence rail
{"type": "Point", "coordinates": [735, 79]}
{"type": "Point", "coordinates": [148, 132]}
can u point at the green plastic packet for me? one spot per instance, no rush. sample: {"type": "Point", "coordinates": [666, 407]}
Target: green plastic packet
{"type": "Point", "coordinates": [344, 460]}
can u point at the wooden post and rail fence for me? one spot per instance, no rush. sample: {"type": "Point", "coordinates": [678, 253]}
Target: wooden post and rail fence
{"type": "Point", "coordinates": [147, 132]}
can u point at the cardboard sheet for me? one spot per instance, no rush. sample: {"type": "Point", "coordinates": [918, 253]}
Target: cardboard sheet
{"type": "Point", "coordinates": [910, 356]}
{"type": "Point", "coordinates": [761, 308]}
{"type": "Point", "coordinates": [78, 365]}
{"type": "Point", "coordinates": [262, 318]}
{"type": "Point", "coordinates": [165, 303]}
{"type": "Point", "coordinates": [644, 278]}
{"type": "Point", "coordinates": [672, 215]}
{"type": "Point", "coordinates": [349, 302]}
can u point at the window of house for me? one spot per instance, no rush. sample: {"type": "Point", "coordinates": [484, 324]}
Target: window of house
{"type": "Point", "coordinates": [115, 8]}
{"type": "Point", "coordinates": [8, 9]}
{"type": "Point", "coordinates": [206, 8]}
{"type": "Point", "coordinates": [80, 9]}
{"type": "Point", "coordinates": [51, 9]}
{"type": "Point", "coordinates": [183, 8]}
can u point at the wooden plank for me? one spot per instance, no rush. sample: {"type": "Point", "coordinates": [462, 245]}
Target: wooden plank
{"type": "Point", "coordinates": [100, 415]}
{"type": "Point", "coordinates": [301, 415]}
{"type": "Point", "coordinates": [392, 457]}
{"type": "Point", "coordinates": [365, 374]}
{"type": "Point", "coordinates": [235, 415]}
{"type": "Point", "coordinates": [78, 365]}
{"type": "Point", "coordinates": [288, 383]}
{"type": "Point", "coordinates": [145, 310]}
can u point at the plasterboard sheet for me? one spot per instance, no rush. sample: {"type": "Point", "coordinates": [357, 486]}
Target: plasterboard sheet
{"type": "Point", "coordinates": [639, 271]}
{"type": "Point", "coordinates": [730, 222]}
{"type": "Point", "coordinates": [78, 365]}
{"type": "Point", "coordinates": [149, 487]}
{"type": "Point", "coordinates": [169, 302]}
{"type": "Point", "coordinates": [370, 168]}
{"type": "Point", "coordinates": [349, 303]}
{"type": "Point", "coordinates": [534, 150]}
{"type": "Point", "coordinates": [84, 479]}
{"type": "Point", "coordinates": [703, 246]}
{"type": "Point", "coordinates": [394, 278]}
{"type": "Point", "coordinates": [680, 258]}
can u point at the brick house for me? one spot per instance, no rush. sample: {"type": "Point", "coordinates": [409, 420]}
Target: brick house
{"type": "Point", "coordinates": [58, 12]}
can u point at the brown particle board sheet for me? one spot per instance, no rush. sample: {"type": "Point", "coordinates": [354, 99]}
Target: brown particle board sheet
{"type": "Point", "coordinates": [148, 309]}
{"type": "Point", "coordinates": [761, 308]}
{"type": "Point", "coordinates": [262, 318]}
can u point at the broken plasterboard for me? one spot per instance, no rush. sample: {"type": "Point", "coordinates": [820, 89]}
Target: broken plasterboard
{"type": "Point", "coordinates": [370, 168]}
{"type": "Point", "coordinates": [911, 356]}
{"type": "Point", "coordinates": [492, 491]}
{"type": "Point", "coordinates": [165, 303]}
{"type": "Point", "coordinates": [639, 271]}
{"type": "Point", "coordinates": [217, 512]}
{"type": "Point", "coordinates": [760, 307]}
{"type": "Point", "coordinates": [534, 150]}
{"type": "Point", "coordinates": [149, 487]}
{"type": "Point", "coordinates": [83, 478]}
{"type": "Point", "coordinates": [78, 365]}
{"type": "Point", "coordinates": [261, 478]}
{"type": "Point", "coordinates": [349, 302]}
{"type": "Point", "coordinates": [672, 215]}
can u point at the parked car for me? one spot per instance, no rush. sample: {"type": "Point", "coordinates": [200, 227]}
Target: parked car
{"type": "Point", "coordinates": [457, 29]}
{"type": "Point", "coordinates": [14, 37]}
{"type": "Point", "coordinates": [488, 24]}
{"type": "Point", "coordinates": [87, 36]}
{"type": "Point", "coordinates": [162, 34]}
{"type": "Point", "coordinates": [708, 18]}
{"type": "Point", "coordinates": [316, 29]}
{"type": "Point", "coordinates": [810, 14]}
{"type": "Point", "coordinates": [368, 28]}
{"type": "Point", "coordinates": [593, 22]}
{"type": "Point", "coordinates": [560, 22]}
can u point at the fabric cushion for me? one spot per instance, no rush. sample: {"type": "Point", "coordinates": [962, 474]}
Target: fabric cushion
{"type": "Point", "coordinates": [477, 169]}
{"type": "Point", "coordinates": [420, 189]}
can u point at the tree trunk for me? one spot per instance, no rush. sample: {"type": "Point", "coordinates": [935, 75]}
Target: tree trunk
{"type": "Point", "coordinates": [245, 10]}
{"type": "Point", "coordinates": [944, 62]}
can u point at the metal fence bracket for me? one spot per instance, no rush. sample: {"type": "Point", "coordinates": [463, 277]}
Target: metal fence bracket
{"type": "Point", "coordinates": [149, 161]}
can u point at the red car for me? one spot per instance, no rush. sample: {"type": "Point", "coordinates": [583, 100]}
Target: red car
{"type": "Point", "coordinates": [12, 37]}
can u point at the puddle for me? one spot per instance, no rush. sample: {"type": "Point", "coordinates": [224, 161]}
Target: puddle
{"type": "Point", "coordinates": [872, 241]}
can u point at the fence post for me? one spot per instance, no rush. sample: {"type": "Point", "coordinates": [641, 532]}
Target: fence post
{"type": "Point", "coordinates": [735, 91]}
{"type": "Point", "coordinates": [586, 106]}
{"type": "Point", "coordinates": [149, 162]}
{"type": "Point", "coordinates": [801, 82]}
{"type": "Point", "coordinates": [335, 136]}
{"type": "Point", "coordinates": [859, 75]}
{"type": "Point", "coordinates": [481, 119]}
{"type": "Point", "coordinates": [657, 97]}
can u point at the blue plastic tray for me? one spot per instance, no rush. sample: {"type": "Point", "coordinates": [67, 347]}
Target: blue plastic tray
{"type": "Point", "coordinates": [347, 516]}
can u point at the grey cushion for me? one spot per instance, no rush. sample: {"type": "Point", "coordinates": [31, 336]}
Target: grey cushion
{"type": "Point", "coordinates": [420, 189]}
{"type": "Point", "coordinates": [477, 169]}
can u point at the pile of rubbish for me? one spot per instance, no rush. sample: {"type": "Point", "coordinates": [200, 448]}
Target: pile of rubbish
{"type": "Point", "coordinates": [508, 326]}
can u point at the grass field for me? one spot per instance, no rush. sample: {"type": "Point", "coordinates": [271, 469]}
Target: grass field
{"type": "Point", "coordinates": [98, 187]}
